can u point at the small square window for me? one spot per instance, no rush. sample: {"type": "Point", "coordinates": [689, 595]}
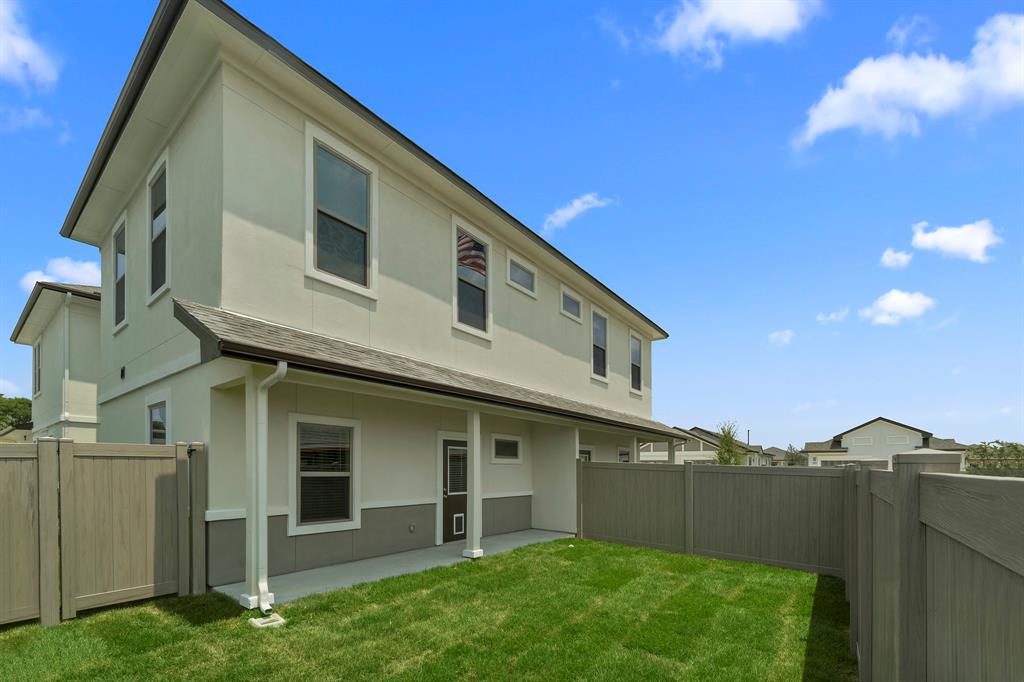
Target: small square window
{"type": "Point", "coordinates": [571, 305]}
{"type": "Point", "coordinates": [522, 275]}
{"type": "Point", "coordinates": [624, 455]}
{"type": "Point", "coordinates": [506, 449]}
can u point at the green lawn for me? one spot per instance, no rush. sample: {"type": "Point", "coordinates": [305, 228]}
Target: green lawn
{"type": "Point", "coordinates": [562, 610]}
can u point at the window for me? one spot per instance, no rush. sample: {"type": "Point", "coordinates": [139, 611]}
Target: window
{"type": "Point", "coordinates": [623, 455]}
{"type": "Point", "coordinates": [120, 270]}
{"type": "Point", "coordinates": [37, 369]}
{"type": "Point", "coordinates": [599, 337]}
{"type": "Point", "coordinates": [158, 423]}
{"type": "Point", "coordinates": [324, 474]}
{"type": "Point", "coordinates": [897, 440]}
{"type": "Point", "coordinates": [571, 305]}
{"type": "Point", "coordinates": [158, 226]}
{"type": "Point", "coordinates": [522, 276]}
{"type": "Point", "coordinates": [636, 352]}
{"type": "Point", "coordinates": [506, 449]}
{"type": "Point", "coordinates": [342, 231]}
{"type": "Point", "coordinates": [585, 453]}
{"type": "Point", "coordinates": [863, 440]}
{"type": "Point", "coordinates": [472, 294]}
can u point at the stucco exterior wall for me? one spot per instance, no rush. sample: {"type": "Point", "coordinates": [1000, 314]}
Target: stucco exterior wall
{"type": "Point", "coordinates": [554, 478]}
{"type": "Point", "coordinates": [605, 445]}
{"type": "Point", "coordinates": [48, 403]}
{"type": "Point", "coordinates": [880, 446]}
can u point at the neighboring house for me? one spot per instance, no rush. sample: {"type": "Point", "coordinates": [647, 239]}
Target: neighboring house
{"type": "Point", "coordinates": [750, 455]}
{"type": "Point", "coordinates": [693, 448]}
{"type": "Point", "coordinates": [876, 440]}
{"type": "Point", "coordinates": [778, 456]}
{"type": "Point", "coordinates": [377, 355]}
{"type": "Point", "coordinates": [17, 433]}
{"type": "Point", "coordinates": [61, 324]}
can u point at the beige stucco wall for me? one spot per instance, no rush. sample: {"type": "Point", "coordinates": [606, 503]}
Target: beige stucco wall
{"type": "Point", "coordinates": [879, 432]}
{"type": "Point", "coordinates": [554, 478]}
{"type": "Point", "coordinates": [48, 403]}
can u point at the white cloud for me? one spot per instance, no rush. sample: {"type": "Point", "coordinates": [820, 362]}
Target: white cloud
{"type": "Point", "coordinates": [1006, 409]}
{"type": "Point", "coordinates": [13, 120]}
{"type": "Point", "coordinates": [63, 269]}
{"type": "Point", "coordinates": [611, 27]}
{"type": "Point", "coordinates": [561, 217]}
{"type": "Point", "coordinates": [23, 61]}
{"type": "Point", "coordinates": [9, 388]}
{"type": "Point", "coordinates": [837, 316]}
{"type": "Point", "coordinates": [889, 94]}
{"type": "Point", "coordinates": [916, 30]}
{"type": "Point", "coordinates": [951, 320]}
{"type": "Point", "coordinates": [704, 28]}
{"type": "Point", "coordinates": [970, 241]}
{"type": "Point", "coordinates": [783, 337]}
{"type": "Point", "coordinates": [894, 306]}
{"type": "Point", "coordinates": [891, 258]}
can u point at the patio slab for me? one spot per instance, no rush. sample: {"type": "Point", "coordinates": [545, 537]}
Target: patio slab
{"type": "Point", "coordinates": [292, 586]}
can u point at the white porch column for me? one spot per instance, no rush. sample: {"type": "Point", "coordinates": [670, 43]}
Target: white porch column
{"type": "Point", "coordinates": [671, 450]}
{"type": "Point", "coordinates": [634, 451]}
{"type": "Point", "coordinates": [474, 492]}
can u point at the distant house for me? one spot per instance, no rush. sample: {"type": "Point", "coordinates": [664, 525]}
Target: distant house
{"type": "Point", "coordinates": [778, 456]}
{"type": "Point", "coordinates": [876, 440]}
{"type": "Point", "coordinates": [17, 433]}
{"type": "Point", "coordinates": [701, 447]}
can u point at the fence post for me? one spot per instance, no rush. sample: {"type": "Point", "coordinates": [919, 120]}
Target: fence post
{"type": "Point", "coordinates": [579, 497]}
{"type": "Point", "coordinates": [864, 571]}
{"type": "Point", "coordinates": [47, 472]}
{"type": "Point", "coordinates": [850, 562]}
{"type": "Point", "coordinates": [911, 568]}
{"type": "Point", "coordinates": [197, 476]}
{"type": "Point", "coordinates": [688, 502]}
{"type": "Point", "coordinates": [184, 546]}
{"type": "Point", "coordinates": [68, 530]}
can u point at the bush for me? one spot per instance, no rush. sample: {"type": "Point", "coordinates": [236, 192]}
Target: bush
{"type": "Point", "coordinates": [997, 458]}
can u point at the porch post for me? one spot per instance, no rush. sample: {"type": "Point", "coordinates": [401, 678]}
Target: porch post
{"type": "Point", "coordinates": [671, 451]}
{"type": "Point", "coordinates": [250, 598]}
{"type": "Point", "coordinates": [634, 451]}
{"type": "Point", "coordinates": [474, 494]}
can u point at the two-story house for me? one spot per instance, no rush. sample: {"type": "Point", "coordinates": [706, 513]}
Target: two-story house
{"type": "Point", "coordinates": [61, 324]}
{"type": "Point", "coordinates": [877, 440]}
{"type": "Point", "coordinates": [377, 355]}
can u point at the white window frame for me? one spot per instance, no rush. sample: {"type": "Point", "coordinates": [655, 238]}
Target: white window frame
{"type": "Point", "coordinates": [563, 291]}
{"type": "Point", "coordinates": [897, 440]}
{"type": "Point", "coordinates": [590, 451]}
{"type": "Point", "coordinates": [156, 398]}
{"type": "Point", "coordinates": [629, 352]}
{"type": "Point", "coordinates": [37, 368]}
{"type": "Point", "coordinates": [315, 134]}
{"type": "Point", "coordinates": [162, 163]}
{"type": "Point", "coordinates": [862, 440]}
{"type": "Point", "coordinates": [459, 223]}
{"type": "Point", "coordinates": [294, 528]}
{"type": "Point", "coordinates": [525, 265]}
{"type": "Point", "coordinates": [495, 437]}
{"type": "Point", "coordinates": [594, 310]}
{"type": "Point", "coordinates": [120, 224]}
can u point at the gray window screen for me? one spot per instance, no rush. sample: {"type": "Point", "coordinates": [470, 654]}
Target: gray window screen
{"type": "Point", "coordinates": [342, 217]}
{"type": "Point", "coordinates": [325, 472]}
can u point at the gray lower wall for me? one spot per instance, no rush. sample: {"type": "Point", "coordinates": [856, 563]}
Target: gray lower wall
{"type": "Point", "coordinates": [384, 531]}
{"type": "Point", "coordinates": [507, 514]}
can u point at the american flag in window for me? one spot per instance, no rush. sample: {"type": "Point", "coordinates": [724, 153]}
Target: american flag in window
{"type": "Point", "coordinates": [472, 260]}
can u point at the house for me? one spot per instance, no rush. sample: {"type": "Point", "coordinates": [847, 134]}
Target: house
{"type": "Point", "coordinates": [378, 356]}
{"type": "Point", "coordinates": [61, 324]}
{"type": "Point", "coordinates": [778, 456]}
{"type": "Point", "coordinates": [693, 448]}
{"type": "Point", "coordinates": [750, 455]}
{"type": "Point", "coordinates": [876, 440]}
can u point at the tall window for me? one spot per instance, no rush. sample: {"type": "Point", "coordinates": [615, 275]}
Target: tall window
{"type": "Point", "coordinates": [600, 344]}
{"type": "Point", "coordinates": [158, 423]}
{"type": "Point", "coordinates": [37, 369]}
{"type": "Point", "coordinates": [324, 472]}
{"type": "Point", "coordinates": [471, 270]}
{"type": "Point", "coordinates": [635, 363]}
{"type": "Point", "coordinates": [158, 231]}
{"type": "Point", "coordinates": [120, 263]}
{"type": "Point", "coordinates": [342, 232]}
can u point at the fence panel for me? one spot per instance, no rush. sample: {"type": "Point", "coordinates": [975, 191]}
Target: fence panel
{"type": "Point", "coordinates": [883, 574]}
{"type": "Point", "coordinates": [634, 504]}
{"type": "Point", "coordinates": [19, 532]}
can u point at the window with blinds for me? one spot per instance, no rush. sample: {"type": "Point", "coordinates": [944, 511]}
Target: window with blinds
{"type": "Point", "coordinates": [457, 471]}
{"type": "Point", "coordinates": [324, 472]}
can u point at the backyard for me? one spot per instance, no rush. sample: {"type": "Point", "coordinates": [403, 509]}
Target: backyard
{"type": "Point", "coordinates": [568, 609]}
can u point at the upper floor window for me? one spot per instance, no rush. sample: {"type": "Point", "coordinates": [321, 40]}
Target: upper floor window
{"type": "Point", "coordinates": [599, 336]}
{"type": "Point", "coordinates": [635, 362]}
{"type": "Point", "coordinates": [120, 271]}
{"type": "Point", "coordinates": [571, 305]}
{"type": "Point", "coordinates": [522, 275]}
{"type": "Point", "coordinates": [158, 229]}
{"type": "Point", "coordinates": [341, 227]}
{"type": "Point", "coordinates": [472, 291]}
{"type": "Point", "coordinates": [37, 369]}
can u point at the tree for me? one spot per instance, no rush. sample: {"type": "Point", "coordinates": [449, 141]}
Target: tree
{"type": "Point", "coordinates": [14, 411]}
{"type": "Point", "coordinates": [728, 444]}
{"type": "Point", "coordinates": [794, 457]}
{"type": "Point", "coordinates": [996, 458]}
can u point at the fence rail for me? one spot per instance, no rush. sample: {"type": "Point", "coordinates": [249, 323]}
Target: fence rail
{"type": "Point", "coordinates": [84, 525]}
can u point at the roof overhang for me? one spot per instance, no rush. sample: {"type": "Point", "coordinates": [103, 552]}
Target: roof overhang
{"type": "Point", "coordinates": [184, 39]}
{"type": "Point", "coordinates": [839, 436]}
{"type": "Point", "coordinates": [44, 301]}
{"type": "Point", "coordinates": [222, 333]}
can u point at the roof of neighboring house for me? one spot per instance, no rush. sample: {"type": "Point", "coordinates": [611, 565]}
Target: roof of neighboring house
{"type": "Point", "coordinates": [946, 444]}
{"type": "Point", "coordinates": [225, 333]}
{"type": "Point", "coordinates": [166, 17]}
{"type": "Point", "coordinates": [829, 445]}
{"type": "Point", "coordinates": [834, 444]}
{"type": "Point", "coordinates": [81, 290]}
{"type": "Point", "coordinates": [883, 419]}
{"type": "Point", "coordinates": [776, 453]}
{"type": "Point", "coordinates": [713, 437]}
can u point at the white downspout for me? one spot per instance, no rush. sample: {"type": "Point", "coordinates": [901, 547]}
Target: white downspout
{"type": "Point", "coordinates": [66, 384]}
{"type": "Point", "coordinates": [266, 599]}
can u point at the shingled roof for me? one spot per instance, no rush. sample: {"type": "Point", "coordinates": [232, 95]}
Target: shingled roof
{"type": "Point", "coordinates": [225, 333]}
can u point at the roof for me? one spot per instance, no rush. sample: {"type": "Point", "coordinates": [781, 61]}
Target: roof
{"type": "Point", "coordinates": [883, 419]}
{"type": "Point", "coordinates": [84, 291]}
{"type": "Point", "coordinates": [776, 453]}
{"type": "Point", "coordinates": [834, 444]}
{"type": "Point", "coordinates": [713, 437]}
{"type": "Point", "coordinates": [225, 333]}
{"type": "Point", "coordinates": [823, 446]}
{"type": "Point", "coordinates": [166, 17]}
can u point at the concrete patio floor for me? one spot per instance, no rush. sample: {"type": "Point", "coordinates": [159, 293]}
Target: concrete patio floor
{"type": "Point", "coordinates": [291, 586]}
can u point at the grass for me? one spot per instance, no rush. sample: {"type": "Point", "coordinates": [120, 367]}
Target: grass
{"type": "Point", "coordinates": [569, 609]}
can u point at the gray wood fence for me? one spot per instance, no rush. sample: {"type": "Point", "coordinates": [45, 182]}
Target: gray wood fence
{"type": "Point", "coordinates": [84, 525]}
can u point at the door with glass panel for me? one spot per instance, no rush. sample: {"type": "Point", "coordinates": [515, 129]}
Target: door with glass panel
{"type": "Point", "coordinates": [453, 509]}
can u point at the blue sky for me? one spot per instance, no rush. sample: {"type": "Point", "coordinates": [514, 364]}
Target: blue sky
{"type": "Point", "coordinates": [737, 175]}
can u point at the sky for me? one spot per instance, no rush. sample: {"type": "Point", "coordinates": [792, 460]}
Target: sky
{"type": "Point", "coordinates": [821, 202]}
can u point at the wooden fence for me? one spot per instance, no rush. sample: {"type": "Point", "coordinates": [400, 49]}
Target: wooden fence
{"type": "Point", "coordinates": [84, 525]}
{"type": "Point", "coordinates": [933, 561]}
